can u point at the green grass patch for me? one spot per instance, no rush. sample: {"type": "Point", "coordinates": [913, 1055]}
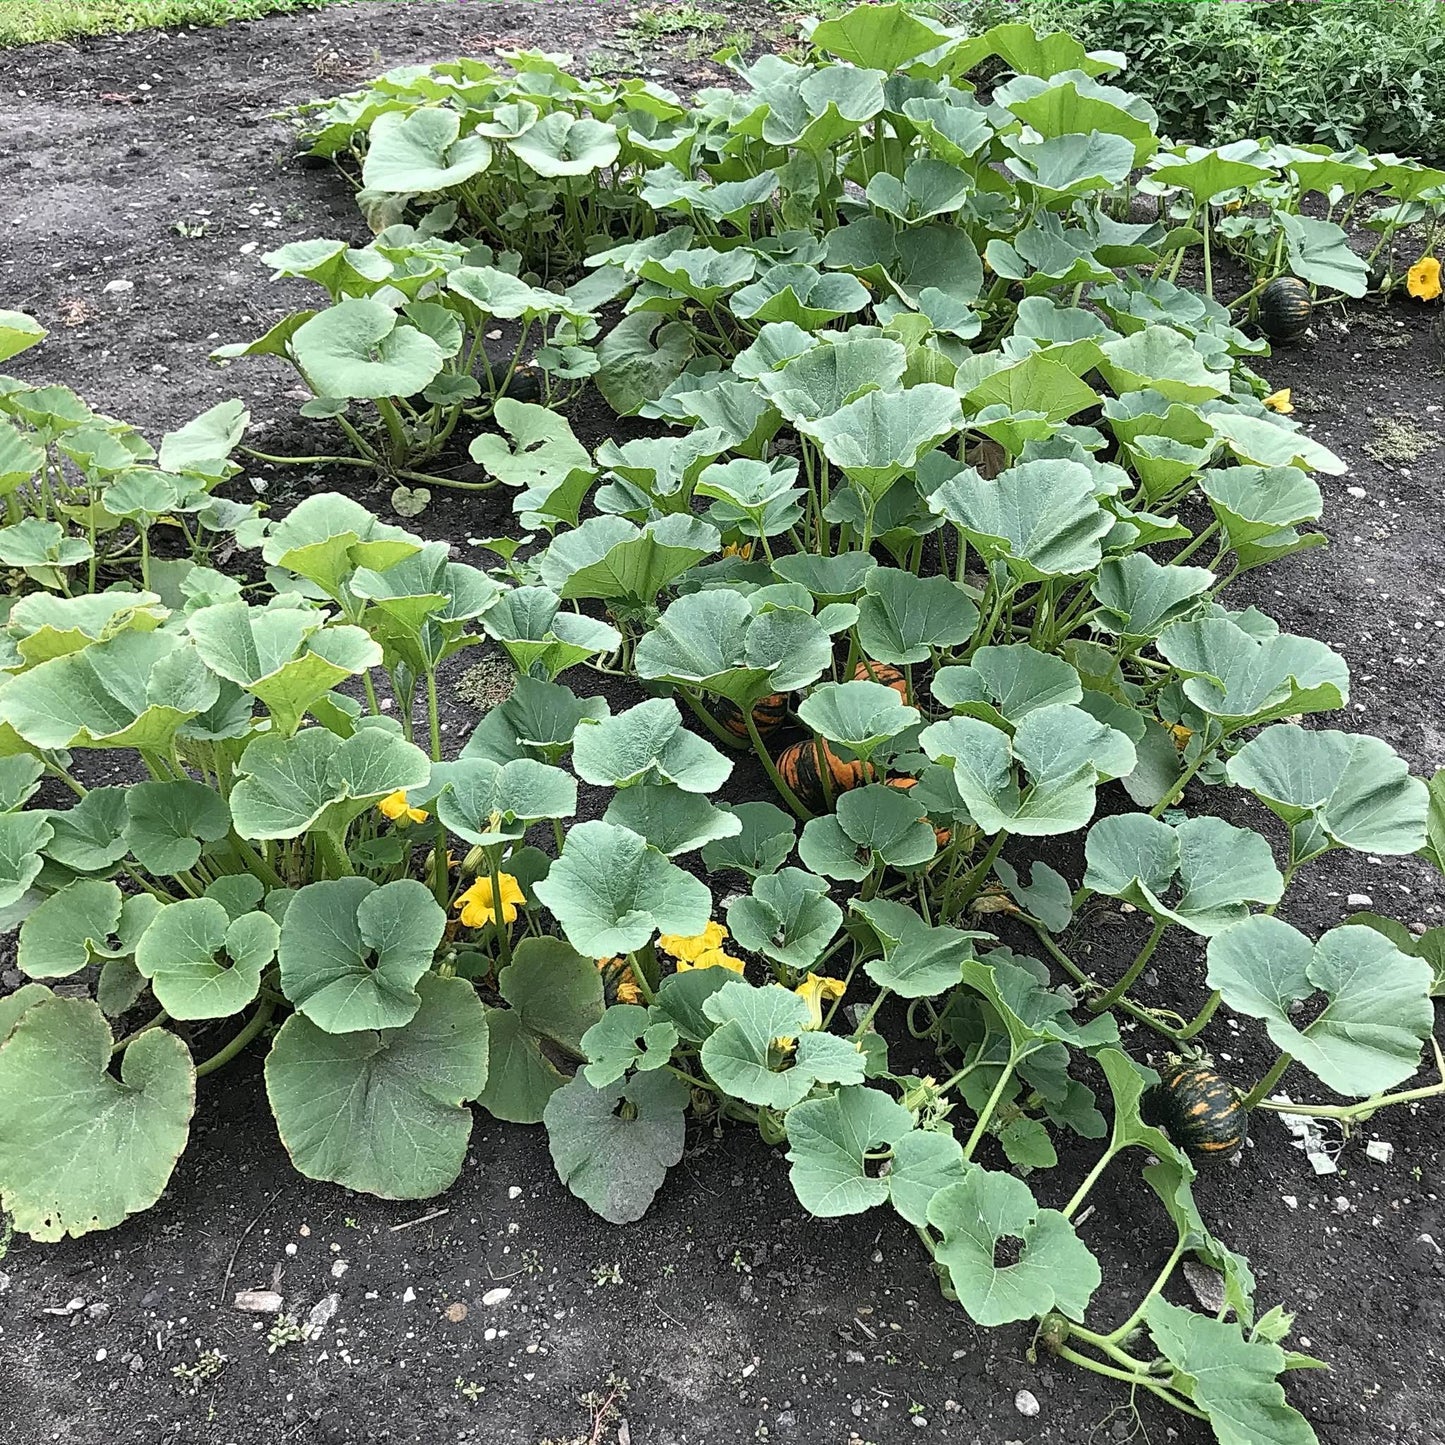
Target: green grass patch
{"type": "Point", "coordinates": [26, 22]}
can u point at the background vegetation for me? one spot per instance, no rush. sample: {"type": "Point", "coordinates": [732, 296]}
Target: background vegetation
{"type": "Point", "coordinates": [1342, 72]}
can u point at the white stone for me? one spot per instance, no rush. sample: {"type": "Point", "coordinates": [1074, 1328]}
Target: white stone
{"type": "Point", "coordinates": [496, 1296]}
{"type": "Point", "coordinates": [1379, 1151]}
{"type": "Point", "coordinates": [1026, 1403]}
{"type": "Point", "coordinates": [1360, 900]}
{"type": "Point", "coordinates": [113, 288]}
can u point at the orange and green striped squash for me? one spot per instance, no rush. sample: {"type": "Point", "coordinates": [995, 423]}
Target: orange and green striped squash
{"type": "Point", "coordinates": [1202, 1112]}
{"type": "Point", "coordinates": [769, 714]}
{"type": "Point", "coordinates": [798, 766]}
{"type": "Point", "coordinates": [884, 672]}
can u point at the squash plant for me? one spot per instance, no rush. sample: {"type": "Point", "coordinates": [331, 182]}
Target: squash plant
{"type": "Point", "coordinates": [83, 492]}
{"type": "Point", "coordinates": [945, 548]}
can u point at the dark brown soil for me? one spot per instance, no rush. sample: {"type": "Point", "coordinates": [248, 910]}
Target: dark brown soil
{"type": "Point", "coordinates": [729, 1314]}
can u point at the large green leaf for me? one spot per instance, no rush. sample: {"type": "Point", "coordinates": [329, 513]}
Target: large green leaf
{"type": "Point", "coordinates": [1053, 1270]}
{"type": "Point", "coordinates": [1377, 1011]}
{"type": "Point", "coordinates": [326, 537]}
{"type": "Point", "coordinates": [1040, 517]}
{"type": "Point", "coordinates": [788, 917]}
{"type": "Point", "coordinates": [539, 637]}
{"type": "Point", "coordinates": [166, 824]}
{"type": "Point", "coordinates": [885, 37]}
{"type": "Point", "coordinates": [383, 1112]}
{"type": "Point", "coordinates": [1319, 252]}
{"type": "Point", "coordinates": [647, 743]}
{"type": "Point", "coordinates": [1064, 754]}
{"type": "Point", "coordinates": [765, 839]}
{"type": "Point", "coordinates": [132, 691]}
{"type": "Point", "coordinates": [861, 715]}
{"type": "Point", "coordinates": [918, 960]}
{"type": "Point", "coordinates": [22, 836]}
{"type": "Point", "coordinates": [614, 1145]}
{"type": "Point", "coordinates": [824, 379]}
{"type": "Point", "coordinates": [762, 1051]}
{"type": "Point", "coordinates": [1064, 166]}
{"type": "Point", "coordinates": [1139, 597]}
{"type": "Point", "coordinates": [612, 892]}
{"type": "Point", "coordinates": [554, 997]}
{"type": "Point", "coordinates": [488, 803]}
{"type": "Point", "coordinates": [670, 819]}
{"type": "Point", "coordinates": [285, 785]}
{"type": "Point", "coordinates": [1218, 869]}
{"type": "Point", "coordinates": [882, 434]}
{"type": "Point", "coordinates": [1232, 1377]}
{"type": "Point", "coordinates": [713, 641]}
{"type": "Point", "coordinates": [19, 332]}
{"type": "Point", "coordinates": [79, 1148]}
{"type": "Point", "coordinates": [419, 151]}
{"type": "Point", "coordinates": [201, 963]}
{"type": "Point", "coordinates": [1352, 790]}
{"type": "Point", "coordinates": [1240, 678]}
{"type": "Point", "coordinates": [874, 824]}
{"type": "Point", "coordinates": [69, 929]}
{"type": "Point", "coordinates": [902, 618]}
{"type": "Point", "coordinates": [362, 348]}
{"type": "Point", "coordinates": [829, 1140]}
{"type": "Point", "coordinates": [1007, 683]}
{"type": "Point", "coordinates": [565, 145]}
{"type": "Point", "coordinates": [351, 952]}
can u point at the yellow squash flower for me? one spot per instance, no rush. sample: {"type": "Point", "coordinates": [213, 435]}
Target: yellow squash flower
{"type": "Point", "coordinates": [689, 950]}
{"type": "Point", "coordinates": [1279, 401]}
{"type": "Point", "coordinates": [1423, 279]}
{"type": "Point", "coordinates": [713, 958]}
{"type": "Point", "coordinates": [395, 807]}
{"type": "Point", "coordinates": [478, 908]}
{"type": "Point", "coordinates": [815, 991]}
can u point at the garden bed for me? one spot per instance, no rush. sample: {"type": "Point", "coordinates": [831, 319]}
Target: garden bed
{"type": "Point", "coordinates": [728, 1312]}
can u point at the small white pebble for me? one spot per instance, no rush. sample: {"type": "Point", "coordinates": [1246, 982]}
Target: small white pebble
{"type": "Point", "coordinates": [1026, 1403]}
{"type": "Point", "coordinates": [408, 1296]}
{"type": "Point", "coordinates": [1290, 1200]}
{"type": "Point", "coordinates": [496, 1296]}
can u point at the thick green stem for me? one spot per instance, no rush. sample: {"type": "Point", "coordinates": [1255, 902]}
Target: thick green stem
{"type": "Point", "coordinates": [1112, 996]}
{"type": "Point", "coordinates": [145, 1028]}
{"type": "Point", "coordinates": [504, 937]}
{"type": "Point", "coordinates": [1090, 1179]}
{"type": "Point", "coordinates": [259, 1020]}
{"type": "Point", "coordinates": [1266, 1084]}
{"type": "Point", "coordinates": [765, 757]}
{"type": "Point", "coordinates": [981, 1125]}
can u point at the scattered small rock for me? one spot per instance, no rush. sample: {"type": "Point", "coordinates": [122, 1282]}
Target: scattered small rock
{"type": "Point", "coordinates": [456, 1312]}
{"type": "Point", "coordinates": [1207, 1284]}
{"type": "Point", "coordinates": [1360, 900]}
{"type": "Point", "coordinates": [408, 1295]}
{"type": "Point", "coordinates": [118, 286]}
{"type": "Point", "coordinates": [322, 1313]}
{"type": "Point", "coordinates": [1026, 1403]}
{"type": "Point", "coordinates": [338, 1268]}
{"type": "Point", "coordinates": [64, 1311]}
{"type": "Point", "coordinates": [1380, 1151]}
{"type": "Point", "coordinates": [497, 1296]}
{"type": "Point", "coordinates": [259, 1301]}
{"type": "Point", "coordinates": [1341, 1205]}
{"type": "Point", "coordinates": [515, 1192]}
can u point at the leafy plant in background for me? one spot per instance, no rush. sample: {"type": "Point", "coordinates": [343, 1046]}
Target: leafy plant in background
{"type": "Point", "coordinates": [84, 493]}
{"type": "Point", "coordinates": [946, 549]}
{"type": "Point", "coordinates": [1342, 73]}
{"type": "Point", "coordinates": [405, 334]}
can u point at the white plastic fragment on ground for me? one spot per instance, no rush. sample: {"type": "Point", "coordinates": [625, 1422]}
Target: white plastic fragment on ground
{"type": "Point", "coordinates": [1310, 1138]}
